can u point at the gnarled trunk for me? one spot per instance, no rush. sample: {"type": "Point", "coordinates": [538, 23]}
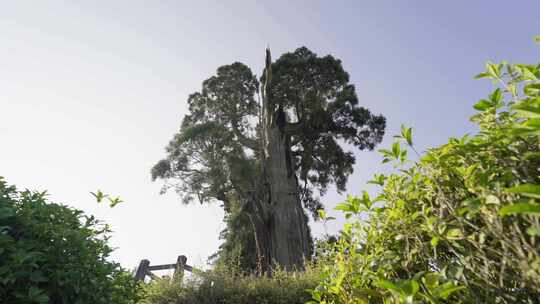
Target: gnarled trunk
{"type": "Point", "coordinates": [287, 224]}
{"type": "Point", "coordinates": [281, 230]}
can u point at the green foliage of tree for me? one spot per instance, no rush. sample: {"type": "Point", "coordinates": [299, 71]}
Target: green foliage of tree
{"type": "Point", "coordinates": [210, 155]}
{"type": "Point", "coordinates": [238, 247]}
{"type": "Point", "coordinates": [50, 253]}
{"type": "Point", "coordinates": [461, 225]}
{"type": "Point", "coordinates": [272, 152]}
{"type": "Point", "coordinates": [324, 109]}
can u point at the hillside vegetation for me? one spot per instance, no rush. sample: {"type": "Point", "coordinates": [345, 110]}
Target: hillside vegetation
{"type": "Point", "coordinates": [458, 223]}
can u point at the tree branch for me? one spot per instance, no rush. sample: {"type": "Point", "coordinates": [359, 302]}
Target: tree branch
{"type": "Point", "coordinates": [244, 140]}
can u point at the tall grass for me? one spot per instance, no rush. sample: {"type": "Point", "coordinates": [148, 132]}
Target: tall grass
{"type": "Point", "coordinates": [228, 285]}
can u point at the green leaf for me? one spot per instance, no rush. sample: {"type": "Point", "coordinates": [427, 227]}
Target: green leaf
{"type": "Point", "coordinates": [403, 288]}
{"type": "Point", "coordinates": [496, 96]}
{"type": "Point", "coordinates": [354, 203]}
{"type": "Point", "coordinates": [528, 74]}
{"type": "Point", "coordinates": [482, 105]}
{"type": "Point", "coordinates": [492, 200]}
{"type": "Point", "coordinates": [524, 131]}
{"type": "Point", "coordinates": [385, 152]}
{"type": "Point", "coordinates": [378, 179]}
{"type": "Point", "coordinates": [411, 287]}
{"type": "Point", "coordinates": [396, 150]}
{"type": "Point", "coordinates": [537, 39]}
{"type": "Point", "coordinates": [403, 155]}
{"type": "Point", "coordinates": [454, 234]}
{"type": "Point", "coordinates": [450, 290]}
{"type": "Point", "coordinates": [434, 241]}
{"type": "Point", "coordinates": [114, 201]}
{"type": "Point", "coordinates": [493, 69]}
{"type": "Point", "coordinates": [343, 207]}
{"type": "Point", "coordinates": [520, 208]}
{"type": "Point", "coordinates": [406, 133]}
{"type": "Point", "coordinates": [532, 89]}
{"type": "Point", "coordinates": [431, 280]}
{"type": "Point", "coordinates": [533, 231]}
{"type": "Point", "coordinates": [533, 123]}
{"type": "Point", "coordinates": [527, 110]}
{"type": "Point", "coordinates": [322, 214]}
{"type": "Point", "coordinates": [512, 89]}
{"type": "Point", "coordinates": [366, 200]}
{"type": "Point", "coordinates": [482, 75]}
{"type": "Point", "coordinates": [98, 195]}
{"type": "Point", "coordinates": [531, 155]}
{"type": "Point", "coordinates": [529, 190]}
{"type": "Point", "coordinates": [389, 286]}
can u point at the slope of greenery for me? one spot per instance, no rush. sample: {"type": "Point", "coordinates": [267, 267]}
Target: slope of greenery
{"type": "Point", "coordinates": [51, 253]}
{"type": "Point", "coordinates": [461, 225]}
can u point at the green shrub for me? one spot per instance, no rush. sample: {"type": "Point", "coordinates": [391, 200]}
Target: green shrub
{"type": "Point", "coordinates": [222, 285]}
{"type": "Point", "coordinates": [462, 224]}
{"type": "Point", "coordinates": [51, 253]}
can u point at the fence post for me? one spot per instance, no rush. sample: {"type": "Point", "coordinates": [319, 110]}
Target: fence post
{"type": "Point", "coordinates": [142, 269]}
{"type": "Point", "coordinates": [180, 263]}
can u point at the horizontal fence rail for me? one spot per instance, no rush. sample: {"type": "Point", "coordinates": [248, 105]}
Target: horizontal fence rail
{"type": "Point", "coordinates": [145, 269]}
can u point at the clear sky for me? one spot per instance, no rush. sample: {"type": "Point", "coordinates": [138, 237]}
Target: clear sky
{"type": "Point", "coordinates": [92, 91]}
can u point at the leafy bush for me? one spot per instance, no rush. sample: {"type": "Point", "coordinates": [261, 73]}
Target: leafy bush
{"type": "Point", "coordinates": [51, 253]}
{"type": "Point", "coordinates": [462, 224]}
{"type": "Point", "coordinates": [222, 285]}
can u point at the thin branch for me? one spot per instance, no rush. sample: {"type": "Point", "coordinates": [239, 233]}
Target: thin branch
{"type": "Point", "coordinates": [246, 141]}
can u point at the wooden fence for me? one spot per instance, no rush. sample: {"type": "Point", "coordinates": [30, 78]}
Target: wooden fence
{"type": "Point", "coordinates": [145, 269]}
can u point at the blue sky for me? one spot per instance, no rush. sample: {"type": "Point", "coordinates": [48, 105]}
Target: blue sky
{"type": "Point", "coordinates": [91, 92]}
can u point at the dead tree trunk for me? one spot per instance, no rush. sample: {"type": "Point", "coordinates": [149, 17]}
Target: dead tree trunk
{"type": "Point", "coordinates": [280, 226]}
{"type": "Point", "coordinates": [287, 225]}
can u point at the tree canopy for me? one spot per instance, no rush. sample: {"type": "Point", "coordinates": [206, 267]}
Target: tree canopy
{"type": "Point", "coordinates": [216, 154]}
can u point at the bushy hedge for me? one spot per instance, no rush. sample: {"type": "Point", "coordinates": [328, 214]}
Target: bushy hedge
{"type": "Point", "coordinates": [462, 224]}
{"type": "Point", "coordinates": [50, 253]}
{"type": "Point", "coordinates": [223, 285]}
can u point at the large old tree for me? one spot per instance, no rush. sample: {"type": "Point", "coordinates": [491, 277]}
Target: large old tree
{"type": "Point", "coordinates": [272, 146]}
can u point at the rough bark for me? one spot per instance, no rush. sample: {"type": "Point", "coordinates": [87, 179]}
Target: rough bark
{"type": "Point", "coordinates": [288, 227]}
{"type": "Point", "coordinates": [258, 214]}
{"type": "Point", "coordinates": [279, 223]}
